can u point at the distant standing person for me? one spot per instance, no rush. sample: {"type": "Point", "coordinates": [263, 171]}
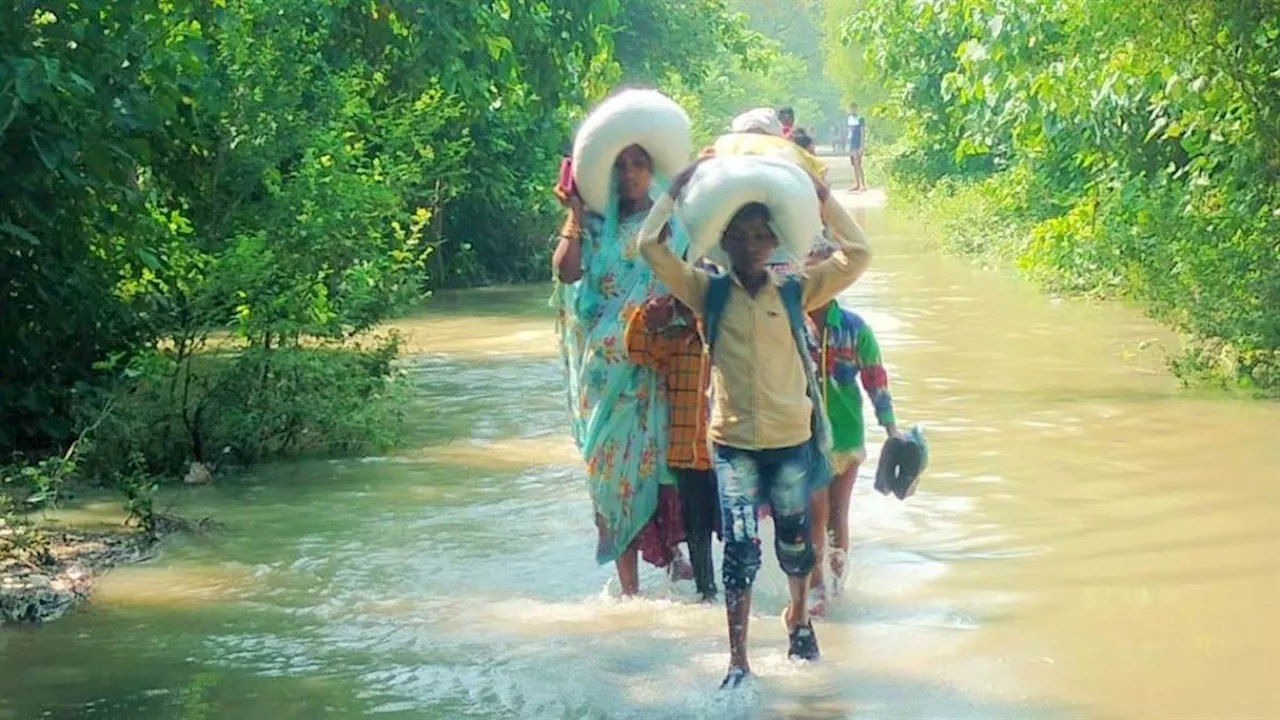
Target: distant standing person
{"type": "Point", "coordinates": [857, 144]}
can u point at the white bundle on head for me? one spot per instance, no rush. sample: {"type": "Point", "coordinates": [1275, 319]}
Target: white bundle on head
{"type": "Point", "coordinates": [763, 120]}
{"type": "Point", "coordinates": [632, 117]}
{"type": "Point", "coordinates": [721, 186]}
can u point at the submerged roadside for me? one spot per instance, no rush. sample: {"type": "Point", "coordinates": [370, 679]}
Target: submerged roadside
{"type": "Point", "coordinates": [62, 573]}
{"type": "Point", "coordinates": [50, 562]}
{"type": "Point", "coordinates": [996, 222]}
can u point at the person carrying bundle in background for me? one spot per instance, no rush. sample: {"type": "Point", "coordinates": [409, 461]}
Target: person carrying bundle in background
{"type": "Point", "coordinates": [758, 133]}
{"type": "Point", "coordinates": [768, 429]}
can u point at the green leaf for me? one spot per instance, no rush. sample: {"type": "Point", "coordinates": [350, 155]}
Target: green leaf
{"type": "Point", "coordinates": [149, 259]}
{"type": "Point", "coordinates": [81, 82]}
{"type": "Point", "coordinates": [7, 115]}
{"type": "Point", "coordinates": [10, 229]}
{"type": "Point", "coordinates": [22, 80]}
{"type": "Point", "coordinates": [48, 155]}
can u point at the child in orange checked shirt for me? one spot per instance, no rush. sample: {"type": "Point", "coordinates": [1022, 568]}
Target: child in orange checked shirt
{"type": "Point", "coordinates": [663, 335]}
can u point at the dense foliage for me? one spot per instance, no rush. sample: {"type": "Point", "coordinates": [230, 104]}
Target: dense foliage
{"type": "Point", "coordinates": [1122, 147]}
{"type": "Point", "coordinates": [206, 209]}
{"type": "Point", "coordinates": [798, 78]}
{"type": "Point", "coordinates": [277, 174]}
{"type": "Point", "coordinates": [844, 65]}
{"type": "Point", "coordinates": [719, 58]}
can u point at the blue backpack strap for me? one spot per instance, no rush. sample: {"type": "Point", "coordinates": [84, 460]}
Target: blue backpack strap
{"type": "Point", "coordinates": [793, 300]}
{"type": "Point", "coordinates": [820, 438]}
{"type": "Point", "coordinates": [717, 298]}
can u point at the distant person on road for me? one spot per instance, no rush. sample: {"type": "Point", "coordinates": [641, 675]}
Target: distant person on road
{"type": "Point", "coordinates": [762, 422]}
{"type": "Point", "coordinates": [663, 335]}
{"type": "Point", "coordinates": [857, 133]}
{"type": "Point", "coordinates": [760, 121]}
{"type": "Point", "coordinates": [844, 350]}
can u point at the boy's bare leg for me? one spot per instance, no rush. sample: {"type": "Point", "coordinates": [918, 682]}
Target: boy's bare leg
{"type": "Point", "coordinates": [798, 610]}
{"type": "Point", "coordinates": [819, 512]}
{"type": "Point", "coordinates": [738, 477]}
{"type": "Point", "coordinates": [737, 605]}
{"type": "Point", "coordinates": [841, 493]}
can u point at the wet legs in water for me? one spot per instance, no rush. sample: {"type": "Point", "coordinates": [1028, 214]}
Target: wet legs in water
{"type": "Point", "coordinates": [841, 491]}
{"type": "Point", "coordinates": [859, 180]}
{"type": "Point", "coordinates": [737, 605]}
{"type": "Point", "coordinates": [819, 512]}
{"type": "Point", "coordinates": [628, 564]}
{"type": "Point", "coordinates": [698, 498]}
{"type": "Point", "coordinates": [746, 477]}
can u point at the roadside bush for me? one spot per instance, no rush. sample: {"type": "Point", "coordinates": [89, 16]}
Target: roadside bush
{"type": "Point", "coordinates": [1131, 148]}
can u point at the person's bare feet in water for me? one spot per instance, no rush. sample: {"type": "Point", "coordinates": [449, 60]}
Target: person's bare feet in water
{"type": "Point", "coordinates": [680, 570]}
{"type": "Point", "coordinates": [817, 602]}
{"type": "Point", "coordinates": [839, 570]}
{"type": "Point", "coordinates": [735, 678]}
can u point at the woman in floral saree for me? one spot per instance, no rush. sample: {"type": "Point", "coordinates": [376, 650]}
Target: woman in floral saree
{"type": "Point", "coordinates": [619, 409]}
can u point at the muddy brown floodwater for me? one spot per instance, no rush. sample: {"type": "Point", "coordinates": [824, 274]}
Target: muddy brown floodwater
{"type": "Point", "coordinates": [1089, 543]}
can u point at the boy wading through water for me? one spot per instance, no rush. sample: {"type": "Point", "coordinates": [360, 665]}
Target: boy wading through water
{"type": "Point", "coordinates": [845, 349]}
{"type": "Point", "coordinates": [761, 415]}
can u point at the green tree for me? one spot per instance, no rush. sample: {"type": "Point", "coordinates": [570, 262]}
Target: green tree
{"type": "Point", "coordinates": [1138, 144]}
{"type": "Point", "coordinates": [206, 208]}
{"type": "Point", "coordinates": [282, 172]}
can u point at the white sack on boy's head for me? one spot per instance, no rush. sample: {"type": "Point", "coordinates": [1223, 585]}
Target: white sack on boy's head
{"type": "Point", "coordinates": [723, 185]}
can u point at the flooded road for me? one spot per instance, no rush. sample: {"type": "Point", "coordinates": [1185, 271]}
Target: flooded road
{"type": "Point", "coordinates": [1088, 543]}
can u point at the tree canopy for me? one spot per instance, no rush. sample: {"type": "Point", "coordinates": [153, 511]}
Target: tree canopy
{"type": "Point", "coordinates": [282, 176]}
{"type": "Point", "coordinates": [1136, 145]}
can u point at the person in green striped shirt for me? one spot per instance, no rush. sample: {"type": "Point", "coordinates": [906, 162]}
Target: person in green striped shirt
{"type": "Point", "coordinates": [844, 349]}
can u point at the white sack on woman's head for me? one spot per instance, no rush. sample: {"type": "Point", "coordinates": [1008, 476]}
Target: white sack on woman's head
{"type": "Point", "coordinates": [632, 117]}
{"type": "Point", "coordinates": [763, 120]}
{"type": "Point", "coordinates": [722, 185]}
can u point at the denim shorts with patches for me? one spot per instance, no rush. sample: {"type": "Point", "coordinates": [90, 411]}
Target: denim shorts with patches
{"type": "Point", "coordinates": [747, 479]}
